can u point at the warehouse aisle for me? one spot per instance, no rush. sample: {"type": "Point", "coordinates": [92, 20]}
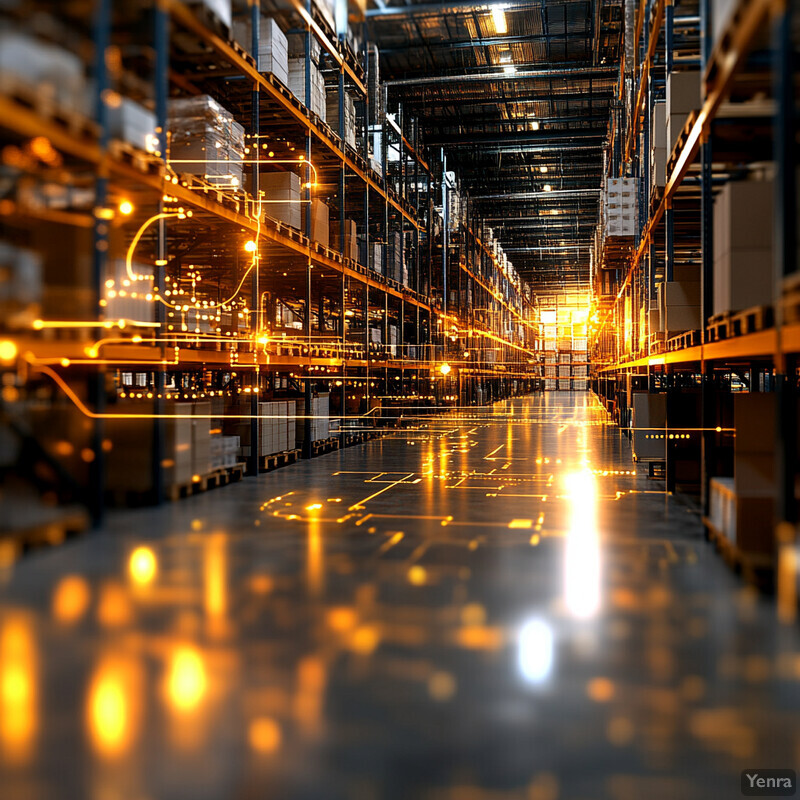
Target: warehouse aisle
{"type": "Point", "coordinates": [493, 605]}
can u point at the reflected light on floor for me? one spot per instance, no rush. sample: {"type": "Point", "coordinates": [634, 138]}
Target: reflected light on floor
{"type": "Point", "coordinates": [216, 581]}
{"type": "Point", "coordinates": [71, 599]}
{"type": "Point", "coordinates": [535, 651]}
{"type": "Point", "coordinates": [582, 552]}
{"type": "Point", "coordinates": [186, 684]}
{"type": "Point", "coordinates": [113, 693]}
{"type": "Point", "coordinates": [18, 693]}
{"type": "Point", "coordinates": [142, 566]}
{"type": "Point", "coordinates": [264, 735]}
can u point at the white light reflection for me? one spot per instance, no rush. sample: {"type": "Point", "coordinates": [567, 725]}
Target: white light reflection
{"type": "Point", "coordinates": [535, 651]}
{"type": "Point", "coordinates": [582, 555]}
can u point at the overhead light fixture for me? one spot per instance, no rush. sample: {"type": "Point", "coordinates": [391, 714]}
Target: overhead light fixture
{"type": "Point", "coordinates": [499, 19]}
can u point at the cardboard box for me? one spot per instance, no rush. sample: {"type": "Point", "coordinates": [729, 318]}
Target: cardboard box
{"type": "Point", "coordinates": [134, 124]}
{"type": "Point", "coordinates": [273, 48]}
{"type": "Point", "coordinates": [221, 9]}
{"type": "Point", "coordinates": [282, 195]}
{"type": "Point", "coordinates": [683, 97]}
{"type": "Point", "coordinates": [743, 254]}
{"type": "Point", "coordinates": [56, 75]}
{"type": "Point", "coordinates": [320, 221]}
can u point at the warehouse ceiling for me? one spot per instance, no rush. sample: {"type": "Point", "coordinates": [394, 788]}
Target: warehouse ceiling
{"type": "Point", "coordinates": [517, 95]}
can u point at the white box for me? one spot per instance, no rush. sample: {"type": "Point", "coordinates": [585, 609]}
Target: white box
{"type": "Point", "coordinates": [273, 48]}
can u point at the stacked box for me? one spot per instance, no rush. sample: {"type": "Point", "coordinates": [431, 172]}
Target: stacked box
{"type": "Point", "coordinates": [273, 47]}
{"type": "Point", "coordinates": [55, 74]}
{"type": "Point", "coordinates": [320, 221]}
{"type": "Point", "coordinates": [658, 146]}
{"type": "Point", "coordinates": [134, 124]}
{"type": "Point", "coordinates": [201, 438]}
{"type": "Point", "coordinates": [620, 205]}
{"type": "Point", "coordinates": [296, 43]}
{"type": "Point", "coordinates": [221, 9]}
{"type": "Point", "coordinates": [721, 12]}
{"type": "Point", "coordinates": [332, 114]}
{"type": "Point", "coordinates": [320, 419]}
{"type": "Point", "coordinates": [743, 212]}
{"type": "Point", "coordinates": [282, 195]}
{"type": "Point", "coordinates": [679, 303]}
{"type": "Point", "coordinates": [129, 464]}
{"type": "Point", "coordinates": [297, 86]}
{"type": "Point", "coordinates": [374, 87]}
{"type": "Point", "coordinates": [348, 248]}
{"type": "Point", "coordinates": [394, 261]}
{"type": "Point", "coordinates": [649, 420]}
{"type": "Point", "coordinates": [128, 306]}
{"type": "Point", "coordinates": [328, 10]}
{"type": "Point", "coordinates": [372, 257]}
{"type": "Point", "coordinates": [207, 138]}
{"type": "Point", "coordinates": [231, 446]}
{"type": "Point", "coordinates": [392, 346]}
{"type": "Point", "coordinates": [683, 97]}
{"type": "Point", "coordinates": [750, 516]}
{"type": "Point", "coordinates": [236, 422]}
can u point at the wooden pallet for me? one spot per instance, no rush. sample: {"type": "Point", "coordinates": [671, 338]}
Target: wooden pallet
{"type": "Point", "coordinates": [752, 320]}
{"type": "Point", "coordinates": [48, 529]}
{"type": "Point", "coordinates": [683, 341]}
{"type": "Point", "coordinates": [756, 569]}
{"type": "Point", "coordinates": [140, 160]}
{"type": "Point", "coordinates": [277, 460]}
{"type": "Point", "coordinates": [718, 327]}
{"type": "Point", "coordinates": [39, 98]}
{"type": "Point", "coordinates": [323, 446]}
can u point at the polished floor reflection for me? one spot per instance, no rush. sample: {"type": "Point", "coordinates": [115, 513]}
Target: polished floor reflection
{"type": "Point", "coordinates": [492, 605]}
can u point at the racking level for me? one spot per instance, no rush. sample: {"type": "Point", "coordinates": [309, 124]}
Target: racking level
{"type": "Point", "coordinates": [209, 248]}
{"type": "Point", "coordinates": [699, 304]}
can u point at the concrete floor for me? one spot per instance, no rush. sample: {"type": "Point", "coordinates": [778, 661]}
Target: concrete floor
{"type": "Point", "coordinates": [492, 606]}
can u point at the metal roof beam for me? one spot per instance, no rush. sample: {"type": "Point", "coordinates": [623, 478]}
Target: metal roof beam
{"type": "Point", "coordinates": [501, 75]}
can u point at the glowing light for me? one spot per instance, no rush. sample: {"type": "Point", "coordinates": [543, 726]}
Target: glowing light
{"type": "Point", "coordinates": [499, 19]}
{"type": "Point", "coordinates": [264, 735]}
{"type": "Point", "coordinates": [70, 599]}
{"type": "Point", "coordinates": [186, 685]}
{"type": "Point", "coordinates": [547, 188]}
{"type": "Point", "coordinates": [142, 566]}
{"type": "Point", "coordinates": [8, 350]}
{"type": "Point", "coordinates": [520, 523]}
{"type": "Point", "coordinates": [108, 714]}
{"type": "Point", "coordinates": [126, 208]}
{"type": "Point", "coordinates": [445, 369]}
{"type": "Point", "coordinates": [18, 700]}
{"type": "Point", "coordinates": [314, 507]}
{"type": "Point", "coordinates": [250, 246]}
{"type": "Point", "coordinates": [534, 126]}
{"type": "Point", "coordinates": [417, 575]}
{"type": "Point", "coordinates": [535, 655]}
{"type": "Point", "coordinates": [543, 170]}
{"type": "Point", "coordinates": [111, 706]}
